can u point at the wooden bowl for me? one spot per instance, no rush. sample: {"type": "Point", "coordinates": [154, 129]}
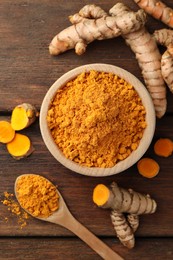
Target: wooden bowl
{"type": "Point", "coordinates": [134, 156]}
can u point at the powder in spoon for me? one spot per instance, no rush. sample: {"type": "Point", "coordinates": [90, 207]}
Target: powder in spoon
{"type": "Point", "coordinates": [37, 195]}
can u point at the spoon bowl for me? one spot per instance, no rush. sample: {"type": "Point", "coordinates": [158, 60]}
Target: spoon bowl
{"type": "Point", "coordinates": [63, 217]}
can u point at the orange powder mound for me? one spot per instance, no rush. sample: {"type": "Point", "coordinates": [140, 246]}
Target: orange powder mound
{"type": "Point", "coordinates": [97, 119]}
{"type": "Point", "coordinates": [37, 195]}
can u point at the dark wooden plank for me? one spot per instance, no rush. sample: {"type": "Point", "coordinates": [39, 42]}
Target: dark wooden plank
{"type": "Point", "coordinates": [77, 189]}
{"type": "Point", "coordinates": [27, 69]}
{"type": "Point", "coordinates": [27, 72]}
{"type": "Point", "coordinates": [74, 249]}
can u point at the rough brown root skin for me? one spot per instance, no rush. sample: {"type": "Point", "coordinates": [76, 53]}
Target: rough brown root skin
{"type": "Point", "coordinates": [163, 36]}
{"type": "Point", "coordinates": [20, 147]}
{"type": "Point", "coordinates": [133, 220]}
{"type": "Point", "coordinates": [158, 10]}
{"type": "Point", "coordinates": [7, 133]}
{"type": "Point", "coordinates": [149, 60]}
{"type": "Point", "coordinates": [167, 67]}
{"type": "Point", "coordinates": [122, 229]}
{"type": "Point", "coordinates": [23, 116]}
{"type": "Point", "coordinates": [92, 11]}
{"type": "Point", "coordinates": [93, 23]}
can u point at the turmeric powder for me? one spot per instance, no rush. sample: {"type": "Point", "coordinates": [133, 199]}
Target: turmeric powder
{"type": "Point", "coordinates": [97, 119]}
{"type": "Point", "coordinates": [37, 195]}
{"type": "Point", "coordinates": [15, 209]}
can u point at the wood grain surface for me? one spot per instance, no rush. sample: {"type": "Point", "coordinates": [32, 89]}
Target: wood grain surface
{"type": "Point", "coordinates": [26, 73]}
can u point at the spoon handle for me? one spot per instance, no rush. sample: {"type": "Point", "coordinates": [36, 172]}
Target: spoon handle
{"type": "Point", "coordinates": [91, 240]}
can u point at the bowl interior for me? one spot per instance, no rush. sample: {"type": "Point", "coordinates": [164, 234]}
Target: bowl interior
{"type": "Point", "coordinates": [134, 156]}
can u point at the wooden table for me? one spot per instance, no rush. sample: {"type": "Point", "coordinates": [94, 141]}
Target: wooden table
{"type": "Point", "coordinates": [26, 73]}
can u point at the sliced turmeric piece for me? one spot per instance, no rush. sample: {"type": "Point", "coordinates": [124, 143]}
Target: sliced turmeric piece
{"type": "Point", "coordinates": [7, 133]}
{"type": "Point", "coordinates": [23, 116]}
{"type": "Point", "coordinates": [163, 147]}
{"type": "Point", "coordinates": [148, 167]}
{"type": "Point", "coordinates": [100, 194]}
{"type": "Point", "coordinates": [20, 146]}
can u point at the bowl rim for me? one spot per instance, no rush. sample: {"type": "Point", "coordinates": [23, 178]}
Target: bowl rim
{"type": "Point", "coordinates": [134, 156]}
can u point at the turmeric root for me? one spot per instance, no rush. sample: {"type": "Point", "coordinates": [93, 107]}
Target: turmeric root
{"type": "Point", "coordinates": [23, 116]}
{"type": "Point", "coordinates": [133, 220]}
{"type": "Point", "coordinates": [167, 67]}
{"type": "Point", "coordinates": [20, 146]}
{"type": "Point", "coordinates": [148, 167]}
{"type": "Point", "coordinates": [165, 38]}
{"type": "Point", "coordinates": [163, 147]}
{"type": "Point", "coordinates": [93, 23]}
{"type": "Point", "coordinates": [158, 10]}
{"type": "Point", "coordinates": [122, 201]}
{"type": "Point", "coordinates": [122, 229]}
{"type": "Point", "coordinates": [149, 60]}
{"type": "Point", "coordinates": [7, 133]}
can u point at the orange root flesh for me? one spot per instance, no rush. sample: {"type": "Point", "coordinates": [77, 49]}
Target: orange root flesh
{"type": "Point", "coordinates": [23, 116]}
{"type": "Point", "coordinates": [19, 119]}
{"type": "Point", "coordinates": [100, 194]}
{"type": "Point", "coordinates": [163, 147]}
{"type": "Point", "coordinates": [20, 146]}
{"type": "Point", "coordinates": [7, 133]}
{"type": "Point", "coordinates": [148, 167]}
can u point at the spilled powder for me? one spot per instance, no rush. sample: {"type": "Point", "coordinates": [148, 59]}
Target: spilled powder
{"type": "Point", "coordinates": [15, 209]}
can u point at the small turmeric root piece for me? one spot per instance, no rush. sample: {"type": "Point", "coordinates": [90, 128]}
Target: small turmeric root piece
{"type": "Point", "coordinates": [122, 201]}
{"type": "Point", "coordinates": [148, 167]}
{"type": "Point", "coordinates": [123, 230]}
{"type": "Point", "coordinates": [20, 147]}
{"type": "Point", "coordinates": [165, 38]}
{"type": "Point", "coordinates": [7, 133]}
{"type": "Point", "coordinates": [158, 10]}
{"type": "Point", "coordinates": [23, 116]}
{"type": "Point", "coordinates": [133, 220]}
{"type": "Point", "coordinates": [163, 147]}
{"type": "Point", "coordinates": [167, 67]}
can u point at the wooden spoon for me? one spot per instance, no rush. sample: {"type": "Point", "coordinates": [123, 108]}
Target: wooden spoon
{"type": "Point", "coordinates": [64, 218]}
